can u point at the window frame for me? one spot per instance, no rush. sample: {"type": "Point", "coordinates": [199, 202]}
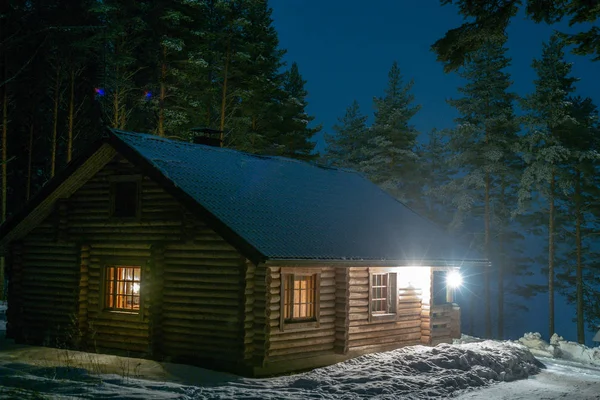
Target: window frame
{"type": "Point", "coordinates": [134, 179]}
{"type": "Point", "coordinates": [299, 323]}
{"type": "Point", "coordinates": [105, 264]}
{"type": "Point", "coordinates": [392, 289]}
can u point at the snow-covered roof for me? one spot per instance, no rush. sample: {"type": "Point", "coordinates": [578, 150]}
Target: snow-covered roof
{"type": "Point", "coordinates": [289, 209]}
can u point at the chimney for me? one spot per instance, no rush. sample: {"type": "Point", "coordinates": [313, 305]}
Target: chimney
{"type": "Point", "coordinates": [207, 136]}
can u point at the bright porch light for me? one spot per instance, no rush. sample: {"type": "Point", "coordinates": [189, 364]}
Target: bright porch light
{"type": "Point", "coordinates": [454, 279]}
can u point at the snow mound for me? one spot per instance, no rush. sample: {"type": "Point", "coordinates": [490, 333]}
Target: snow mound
{"type": "Point", "coordinates": [415, 372]}
{"type": "Point", "coordinates": [561, 349]}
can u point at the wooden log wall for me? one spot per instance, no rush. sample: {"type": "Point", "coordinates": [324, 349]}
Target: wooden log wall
{"type": "Point", "coordinates": [156, 293]}
{"type": "Point", "coordinates": [342, 310]}
{"type": "Point", "coordinates": [118, 332]}
{"type": "Point", "coordinates": [249, 320]}
{"type": "Point", "coordinates": [455, 328]}
{"type": "Point", "coordinates": [441, 323]}
{"type": "Point", "coordinates": [426, 312]}
{"type": "Point", "coordinates": [264, 289]}
{"type": "Point", "coordinates": [202, 304]}
{"type": "Point", "coordinates": [294, 343]}
{"type": "Point", "coordinates": [197, 274]}
{"type": "Point", "coordinates": [364, 336]}
{"type": "Point", "coordinates": [89, 211]}
{"type": "Point", "coordinates": [49, 293]}
{"type": "Point", "coordinates": [14, 274]}
{"type": "Point", "coordinates": [84, 280]}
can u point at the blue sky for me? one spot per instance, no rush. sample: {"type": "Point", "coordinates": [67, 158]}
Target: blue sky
{"type": "Point", "coordinates": [345, 48]}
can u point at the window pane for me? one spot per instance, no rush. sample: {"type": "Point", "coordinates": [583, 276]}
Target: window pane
{"type": "Point", "coordinates": [123, 288]}
{"type": "Point", "coordinates": [300, 297]}
{"type": "Point", "coordinates": [380, 296]}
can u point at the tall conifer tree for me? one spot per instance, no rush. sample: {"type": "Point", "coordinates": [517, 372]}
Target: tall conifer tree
{"type": "Point", "coordinates": [481, 145]}
{"type": "Point", "coordinates": [543, 150]}
{"type": "Point", "coordinates": [390, 156]}
{"type": "Point", "coordinates": [346, 145]}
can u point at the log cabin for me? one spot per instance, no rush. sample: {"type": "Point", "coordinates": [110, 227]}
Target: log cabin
{"type": "Point", "coordinates": [192, 253]}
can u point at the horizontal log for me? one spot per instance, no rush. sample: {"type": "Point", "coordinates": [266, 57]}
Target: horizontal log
{"type": "Point", "coordinates": [301, 351]}
{"type": "Point", "coordinates": [201, 316]}
{"type": "Point", "coordinates": [394, 333]}
{"type": "Point", "coordinates": [305, 343]}
{"type": "Point", "coordinates": [384, 326]}
{"type": "Point", "coordinates": [202, 280]}
{"type": "Point", "coordinates": [291, 333]}
{"type": "Point", "coordinates": [216, 303]}
{"type": "Point", "coordinates": [370, 348]}
{"type": "Point", "coordinates": [416, 336]}
{"type": "Point", "coordinates": [102, 331]}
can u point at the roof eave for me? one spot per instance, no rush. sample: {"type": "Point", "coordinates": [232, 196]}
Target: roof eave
{"type": "Point", "coordinates": [287, 262]}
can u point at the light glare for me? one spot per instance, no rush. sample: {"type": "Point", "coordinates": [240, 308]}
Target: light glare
{"type": "Point", "coordinates": [454, 279]}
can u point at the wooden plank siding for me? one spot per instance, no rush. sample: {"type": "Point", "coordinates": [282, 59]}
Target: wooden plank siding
{"type": "Point", "coordinates": [306, 340]}
{"type": "Point", "coordinates": [372, 334]}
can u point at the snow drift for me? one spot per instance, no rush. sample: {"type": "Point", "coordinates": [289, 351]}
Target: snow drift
{"type": "Point", "coordinates": [561, 349]}
{"type": "Point", "coordinates": [410, 373]}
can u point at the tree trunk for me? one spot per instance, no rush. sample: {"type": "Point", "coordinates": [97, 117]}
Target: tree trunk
{"type": "Point", "coordinates": [55, 122]}
{"type": "Point", "coordinates": [163, 94]}
{"type": "Point", "coordinates": [551, 256]}
{"type": "Point", "coordinates": [29, 161]}
{"type": "Point", "coordinates": [71, 116]}
{"type": "Point", "coordinates": [579, 275]}
{"type": "Point", "coordinates": [116, 108]}
{"type": "Point", "coordinates": [488, 306]}
{"type": "Point", "coordinates": [500, 265]}
{"type": "Point", "coordinates": [4, 151]}
{"type": "Point", "coordinates": [224, 94]}
{"type": "Point", "coordinates": [4, 172]}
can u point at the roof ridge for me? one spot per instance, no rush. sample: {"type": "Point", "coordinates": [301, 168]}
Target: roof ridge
{"type": "Point", "coordinates": [149, 136]}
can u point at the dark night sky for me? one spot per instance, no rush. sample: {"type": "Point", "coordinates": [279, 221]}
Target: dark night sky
{"type": "Point", "coordinates": [344, 49]}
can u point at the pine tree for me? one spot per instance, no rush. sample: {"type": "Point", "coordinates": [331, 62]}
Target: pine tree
{"type": "Point", "coordinates": [481, 146]}
{"type": "Point", "coordinates": [390, 156]}
{"type": "Point", "coordinates": [543, 151]}
{"type": "Point", "coordinates": [581, 135]}
{"type": "Point", "coordinates": [119, 43]}
{"type": "Point", "coordinates": [487, 21]}
{"type": "Point", "coordinates": [345, 146]}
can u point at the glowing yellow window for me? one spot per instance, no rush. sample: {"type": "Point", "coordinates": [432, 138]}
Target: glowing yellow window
{"type": "Point", "coordinates": [300, 297]}
{"type": "Point", "coordinates": [122, 290]}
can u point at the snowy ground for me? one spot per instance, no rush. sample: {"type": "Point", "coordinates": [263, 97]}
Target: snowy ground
{"type": "Point", "coordinates": [410, 373]}
{"type": "Point", "coordinates": [470, 370]}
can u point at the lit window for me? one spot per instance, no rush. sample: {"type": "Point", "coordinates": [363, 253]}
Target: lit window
{"type": "Point", "coordinates": [123, 288]}
{"type": "Point", "coordinates": [300, 297]}
{"type": "Point", "coordinates": [125, 199]}
{"type": "Point", "coordinates": [383, 293]}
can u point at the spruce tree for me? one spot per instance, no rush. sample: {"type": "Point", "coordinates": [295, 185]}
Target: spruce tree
{"type": "Point", "coordinates": [294, 137]}
{"type": "Point", "coordinates": [390, 155]}
{"type": "Point", "coordinates": [481, 145]}
{"type": "Point", "coordinates": [547, 112]}
{"type": "Point", "coordinates": [346, 144]}
{"type": "Point", "coordinates": [261, 94]}
{"type": "Point", "coordinates": [436, 173]}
